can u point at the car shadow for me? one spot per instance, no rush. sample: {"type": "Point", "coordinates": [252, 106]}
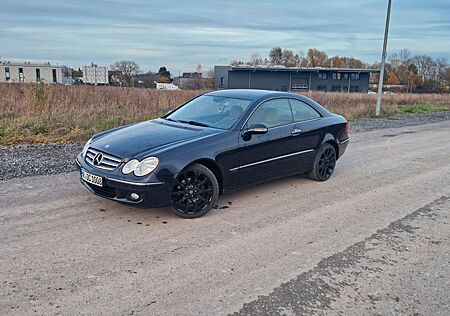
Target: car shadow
{"type": "Point", "coordinates": [145, 216]}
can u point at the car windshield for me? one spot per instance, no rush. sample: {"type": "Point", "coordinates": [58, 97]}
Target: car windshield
{"type": "Point", "coordinates": [211, 111]}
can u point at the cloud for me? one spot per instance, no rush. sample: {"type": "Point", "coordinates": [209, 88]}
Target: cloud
{"type": "Point", "coordinates": [181, 34]}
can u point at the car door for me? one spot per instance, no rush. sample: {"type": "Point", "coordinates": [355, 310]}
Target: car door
{"type": "Point", "coordinates": [307, 120]}
{"type": "Point", "coordinates": [272, 154]}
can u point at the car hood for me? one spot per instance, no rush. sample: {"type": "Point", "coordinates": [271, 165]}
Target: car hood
{"type": "Point", "coordinates": [138, 140]}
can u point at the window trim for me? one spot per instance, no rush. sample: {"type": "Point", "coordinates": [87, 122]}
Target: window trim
{"type": "Point", "coordinates": [282, 97]}
{"type": "Point", "coordinates": [265, 101]}
{"type": "Point", "coordinates": [313, 119]}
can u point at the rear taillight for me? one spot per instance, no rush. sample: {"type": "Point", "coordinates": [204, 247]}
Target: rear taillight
{"type": "Point", "coordinates": [346, 128]}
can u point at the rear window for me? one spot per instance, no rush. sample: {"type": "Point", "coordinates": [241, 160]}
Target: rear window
{"type": "Point", "coordinates": [303, 111]}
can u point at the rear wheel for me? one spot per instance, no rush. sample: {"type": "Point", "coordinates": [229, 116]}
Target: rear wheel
{"type": "Point", "coordinates": [324, 163]}
{"type": "Point", "coordinates": [195, 192]}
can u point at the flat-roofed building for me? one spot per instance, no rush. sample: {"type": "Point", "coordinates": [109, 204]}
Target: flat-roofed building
{"type": "Point", "coordinates": [29, 72]}
{"type": "Point", "coordinates": [292, 79]}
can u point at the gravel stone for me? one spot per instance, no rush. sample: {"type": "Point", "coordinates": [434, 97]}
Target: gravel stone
{"type": "Point", "coordinates": [364, 125]}
{"type": "Point", "coordinates": [37, 159]}
{"type": "Point", "coordinates": [43, 159]}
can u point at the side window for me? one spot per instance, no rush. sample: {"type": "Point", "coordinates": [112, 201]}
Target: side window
{"type": "Point", "coordinates": [302, 111]}
{"type": "Point", "coordinates": [272, 113]}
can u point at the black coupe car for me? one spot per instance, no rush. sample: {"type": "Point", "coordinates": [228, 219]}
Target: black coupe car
{"type": "Point", "coordinates": [217, 142]}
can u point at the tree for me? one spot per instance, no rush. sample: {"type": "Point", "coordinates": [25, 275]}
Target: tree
{"type": "Point", "coordinates": [393, 79]}
{"type": "Point", "coordinates": [276, 56]}
{"type": "Point", "coordinates": [197, 81]}
{"type": "Point", "coordinates": [336, 62]}
{"type": "Point", "coordinates": [255, 60]}
{"type": "Point", "coordinates": [302, 61]}
{"type": "Point", "coordinates": [289, 59]}
{"type": "Point", "coordinates": [413, 80]}
{"type": "Point", "coordinates": [442, 67]}
{"type": "Point", "coordinates": [236, 63]}
{"type": "Point", "coordinates": [164, 75]}
{"type": "Point", "coordinates": [426, 67]}
{"type": "Point", "coordinates": [128, 68]}
{"type": "Point", "coordinates": [317, 58]}
{"type": "Point", "coordinates": [350, 62]}
{"type": "Point", "coordinates": [209, 80]}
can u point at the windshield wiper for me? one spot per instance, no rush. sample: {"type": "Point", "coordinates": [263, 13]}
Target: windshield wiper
{"type": "Point", "coordinates": [194, 123]}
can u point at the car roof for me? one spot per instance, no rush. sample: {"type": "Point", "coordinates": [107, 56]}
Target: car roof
{"type": "Point", "coordinates": [249, 94]}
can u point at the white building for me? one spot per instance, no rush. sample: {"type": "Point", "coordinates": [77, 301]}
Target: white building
{"type": "Point", "coordinates": [28, 72]}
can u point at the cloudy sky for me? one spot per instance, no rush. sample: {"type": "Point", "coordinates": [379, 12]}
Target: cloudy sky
{"type": "Point", "coordinates": [182, 33]}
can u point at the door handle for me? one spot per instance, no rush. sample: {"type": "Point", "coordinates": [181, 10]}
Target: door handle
{"type": "Point", "coordinates": [296, 131]}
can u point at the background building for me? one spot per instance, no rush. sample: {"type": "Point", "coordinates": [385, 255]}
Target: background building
{"type": "Point", "coordinates": [28, 72]}
{"type": "Point", "coordinates": [191, 80]}
{"type": "Point", "coordinates": [292, 79]}
{"type": "Point", "coordinates": [96, 75]}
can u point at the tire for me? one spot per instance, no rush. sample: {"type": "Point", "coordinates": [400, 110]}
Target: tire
{"type": "Point", "coordinates": [324, 163]}
{"type": "Point", "coordinates": [195, 192]}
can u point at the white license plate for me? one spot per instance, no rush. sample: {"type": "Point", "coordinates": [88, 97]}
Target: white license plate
{"type": "Point", "coordinates": [95, 180]}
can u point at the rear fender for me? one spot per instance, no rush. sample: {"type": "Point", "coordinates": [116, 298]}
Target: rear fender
{"type": "Point", "coordinates": [329, 138]}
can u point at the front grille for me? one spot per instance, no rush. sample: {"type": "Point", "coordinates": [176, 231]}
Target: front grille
{"type": "Point", "coordinates": [107, 161]}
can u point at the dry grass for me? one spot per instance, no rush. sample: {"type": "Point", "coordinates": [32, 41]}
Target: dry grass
{"type": "Point", "coordinates": [358, 105]}
{"type": "Point", "coordinates": [46, 113]}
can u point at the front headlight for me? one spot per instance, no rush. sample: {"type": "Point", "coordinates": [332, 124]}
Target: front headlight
{"type": "Point", "coordinates": [130, 166]}
{"type": "Point", "coordinates": [85, 148]}
{"type": "Point", "coordinates": [146, 166]}
{"type": "Point", "coordinates": [140, 168]}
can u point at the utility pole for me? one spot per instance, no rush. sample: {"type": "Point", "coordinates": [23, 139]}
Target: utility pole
{"type": "Point", "coordinates": [383, 60]}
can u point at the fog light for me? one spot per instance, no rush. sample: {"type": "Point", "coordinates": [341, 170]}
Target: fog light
{"type": "Point", "coordinates": [134, 196]}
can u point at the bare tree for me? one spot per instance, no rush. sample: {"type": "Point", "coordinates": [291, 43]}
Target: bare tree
{"type": "Point", "coordinates": [197, 80]}
{"type": "Point", "coordinates": [128, 68]}
{"type": "Point", "coordinates": [426, 67]}
{"type": "Point", "coordinates": [236, 63]}
{"type": "Point", "coordinates": [209, 80]}
{"type": "Point", "coordinates": [442, 66]}
{"type": "Point", "coordinates": [302, 61]}
{"type": "Point", "coordinates": [255, 60]}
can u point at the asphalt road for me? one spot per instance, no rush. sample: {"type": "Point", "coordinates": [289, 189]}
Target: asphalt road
{"type": "Point", "coordinates": [374, 239]}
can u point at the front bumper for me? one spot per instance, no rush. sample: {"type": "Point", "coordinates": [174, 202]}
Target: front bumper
{"type": "Point", "coordinates": [151, 194]}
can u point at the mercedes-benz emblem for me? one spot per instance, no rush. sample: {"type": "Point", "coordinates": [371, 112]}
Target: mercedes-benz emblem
{"type": "Point", "coordinates": [98, 159]}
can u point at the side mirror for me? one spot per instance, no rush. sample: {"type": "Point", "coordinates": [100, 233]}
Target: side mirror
{"type": "Point", "coordinates": [254, 129]}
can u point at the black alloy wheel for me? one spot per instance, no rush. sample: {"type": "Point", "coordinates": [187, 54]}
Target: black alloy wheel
{"type": "Point", "coordinates": [324, 163]}
{"type": "Point", "coordinates": [195, 192]}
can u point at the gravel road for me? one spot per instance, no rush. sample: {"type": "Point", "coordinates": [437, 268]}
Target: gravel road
{"type": "Point", "coordinates": [372, 240]}
{"type": "Point", "coordinates": [40, 159]}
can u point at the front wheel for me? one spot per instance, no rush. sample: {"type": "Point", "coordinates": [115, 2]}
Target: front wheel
{"type": "Point", "coordinates": [195, 192]}
{"type": "Point", "coordinates": [324, 163]}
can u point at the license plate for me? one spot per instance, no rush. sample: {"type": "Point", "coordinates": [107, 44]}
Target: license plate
{"type": "Point", "coordinates": [95, 180]}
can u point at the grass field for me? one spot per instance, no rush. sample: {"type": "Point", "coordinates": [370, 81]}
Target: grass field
{"type": "Point", "coordinates": [32, 113]}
